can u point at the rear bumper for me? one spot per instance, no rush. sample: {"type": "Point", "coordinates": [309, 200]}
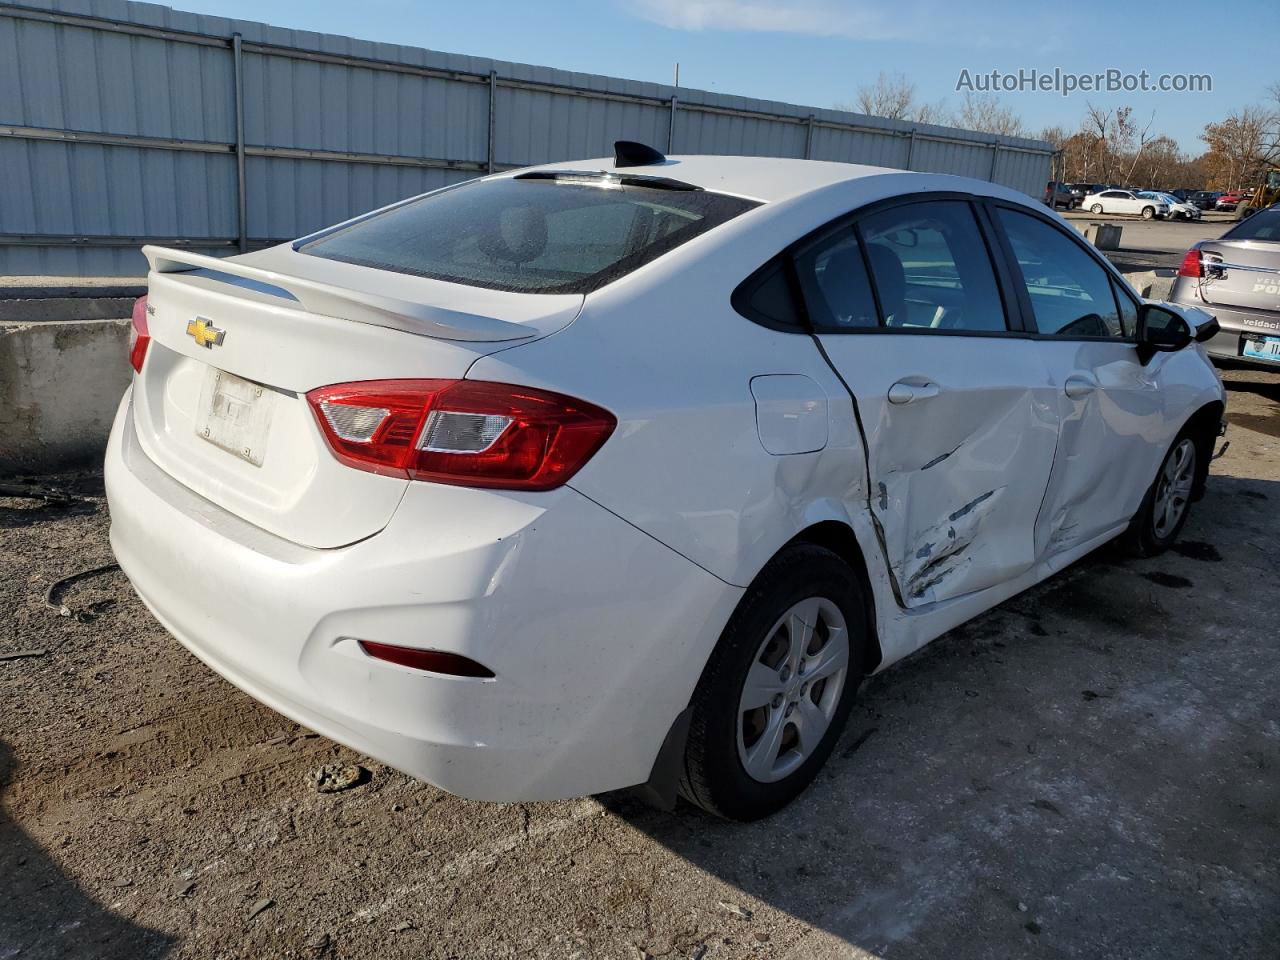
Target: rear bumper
{"type": "Point", "coordinates": [1234, 325]}
{"type": "Point", "coordinates": [596, 633]}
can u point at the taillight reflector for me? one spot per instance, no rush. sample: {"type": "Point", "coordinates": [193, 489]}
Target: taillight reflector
{"type": "Point", "coordinates": [1191, 265]}
{"type": "Point", "coordinates": [464, 432]}
{"type": "Point", "coordinates": [436, 661]}
{"type": "Point", "coordinates": [139, 335]}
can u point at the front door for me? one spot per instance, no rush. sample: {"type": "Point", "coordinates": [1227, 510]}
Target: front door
{"type": "Point", "coordinates": [1110, 406]}
{"type": "Point", "coordinates": [957, 413]}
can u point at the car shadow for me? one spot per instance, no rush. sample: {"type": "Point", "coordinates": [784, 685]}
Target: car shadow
{"type": "Point", "coordinates": [1258, 382]}
{"type": "Point", "coordinates": [45, 915]}
{"type": "Point", "coordinates": [1055, 777]}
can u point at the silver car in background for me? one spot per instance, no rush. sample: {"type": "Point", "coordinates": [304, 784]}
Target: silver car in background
{"type": "Point", "coordinates": [1237, 278]}
{"type": "Point", "coordinates": [1178, 209]}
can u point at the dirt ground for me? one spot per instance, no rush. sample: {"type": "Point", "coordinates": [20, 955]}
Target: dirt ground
{"type": "Point", "coordinates": [1092, 769]}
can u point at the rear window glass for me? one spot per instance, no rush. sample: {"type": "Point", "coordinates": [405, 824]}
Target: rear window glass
{"type": "Point", "coordinates": [530, 236]}
{"type": "Point", "coordinates": [1263, 225]}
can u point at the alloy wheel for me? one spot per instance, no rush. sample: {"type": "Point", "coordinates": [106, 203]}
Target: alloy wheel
{"type": "Point", "coordinates": [792, 689]}
{"type": "Point", "coordinates": [1173, 488]}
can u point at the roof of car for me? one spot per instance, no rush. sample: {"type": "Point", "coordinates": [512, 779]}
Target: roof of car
{"type": "Point", "coordinates": [759, 178]}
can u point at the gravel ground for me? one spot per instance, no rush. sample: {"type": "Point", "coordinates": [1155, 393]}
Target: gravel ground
{"type": "Point", "coordinates": [1092, 769]}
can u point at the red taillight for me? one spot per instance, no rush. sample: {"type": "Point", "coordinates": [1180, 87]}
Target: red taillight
{"type": "Point", "coordinates": [139, 334]}
{"type": "Point", "coordinates": [1191, 265]}
{"type": "Point", "coordinates": [465, 432]}
{"type": "Point", "coordinates": [437, 661]}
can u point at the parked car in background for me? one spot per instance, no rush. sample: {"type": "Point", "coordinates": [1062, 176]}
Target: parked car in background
{"type": "Point", "coordinates": [1237, 278]}
{"type": "Point", "coordinates": [1058, 194]}
{"type": "Point", "coordinates": [1084, 189]}
{"type": "Point", "coordinates": [463, 485]}
{"type": "Point", "coordinates": [1205, 199]}
{"type": "Point", "coordinates": [1125, 202]}
{"type": "Point", "coordinates": [1229, 201]}
{"type": "Point", "coordinates": [1178, 209]}
{"type": "Point", "coordinates": [1182, 193]}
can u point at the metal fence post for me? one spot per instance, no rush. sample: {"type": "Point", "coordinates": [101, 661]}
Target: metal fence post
{"type": "Point", "coordinates": [242, 203]}
{"type": "Point", "coordinates": [493, 118]}
{"type": "Point", "coordinates": [995, 155]}
{"type": "Point", "coordinates": [911, 147]}
{"type": "Point", "coordinates": [808, 138]}
{"type": "Point", "coordinates": [671, 126]}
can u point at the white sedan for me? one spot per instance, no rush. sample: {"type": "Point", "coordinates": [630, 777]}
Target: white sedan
{"type": "Point", "coordinates": [1125, 202]}
{"type": "Point", "coordinates": [626, 472]}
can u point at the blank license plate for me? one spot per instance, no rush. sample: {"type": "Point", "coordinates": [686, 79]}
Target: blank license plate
{"type": "Point", "coordinates": [1268, 348]}
{"type": "Point", "coordinates": [235, 414]}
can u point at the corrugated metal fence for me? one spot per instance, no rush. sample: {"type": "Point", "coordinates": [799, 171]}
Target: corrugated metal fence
{"type": "Point", "coordinates": [125, 123]}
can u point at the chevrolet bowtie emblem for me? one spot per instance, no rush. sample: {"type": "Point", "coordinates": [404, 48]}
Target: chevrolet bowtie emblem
{"type": "Point", "coordinates": [205, 333]}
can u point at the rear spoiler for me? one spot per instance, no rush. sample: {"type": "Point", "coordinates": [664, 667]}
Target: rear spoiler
{"type": "Point", "coordinates": [345, 304]}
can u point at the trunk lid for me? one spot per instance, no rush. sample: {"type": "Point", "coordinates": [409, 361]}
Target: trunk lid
{"type": "Point", "coordinates": [1241, 273]}
{"type": "Point", "coordinates": [220, 404]}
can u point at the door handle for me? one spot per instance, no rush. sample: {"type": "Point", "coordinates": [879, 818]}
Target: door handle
{"type": "Point", "coordinates": [905, 392]}
{"type": "Point", "coordinates": [1078, 386]}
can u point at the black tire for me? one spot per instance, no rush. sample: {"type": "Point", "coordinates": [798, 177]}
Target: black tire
{"type": "Point", "coordinates": [1148, 213]}
{"type": "Point", "coordinates": [1096, 208]}
{"type": "Point", "coordinates": [714, 776]}
{"type": "Point", "coordinates": [1144, 538]}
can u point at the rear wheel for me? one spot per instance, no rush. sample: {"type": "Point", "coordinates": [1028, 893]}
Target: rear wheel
{"type": "Point", "coordinates": [778, 689]}
{"type": "Point", "coordinates": [1148, 213]}
{"type": "Point", "coordinates": [1096, 208]}
{"type": "Point", "coordinates": [1167, 504]}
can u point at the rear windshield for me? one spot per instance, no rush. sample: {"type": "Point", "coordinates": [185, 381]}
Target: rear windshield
{"type": "Point", "coordinates": [530, 236]}
{"type": "Point", "coordinates": [1263, 225]}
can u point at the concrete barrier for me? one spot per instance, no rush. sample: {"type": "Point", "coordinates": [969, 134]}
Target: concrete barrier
{"type": "Point", "coordinates": [1104, 236]}
{"type": "Point", "coordinates": [60, 382]}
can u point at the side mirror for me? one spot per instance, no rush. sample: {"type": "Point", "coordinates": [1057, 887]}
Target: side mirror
{"type": "Point", "coordinates": [1160, 330]}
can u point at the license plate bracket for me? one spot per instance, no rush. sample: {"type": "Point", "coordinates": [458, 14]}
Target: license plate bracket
{"type": "Point", "coordinates": [1262, 348]}
{"type": "Point", "coordinates": [235, 415]}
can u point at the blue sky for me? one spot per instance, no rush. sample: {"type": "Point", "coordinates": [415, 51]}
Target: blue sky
{"type": "Point", "coordinates": [818, 52]}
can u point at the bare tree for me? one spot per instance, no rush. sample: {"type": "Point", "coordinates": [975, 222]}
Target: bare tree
{"type": "Point", "coordinates": [1142, 142]}
{"type": "Point", "coordinates": [985, 113]}
{"type": "Point", "coordinates": [892, 96]}
{"type": "Point", "coordinates": [1242, 146]}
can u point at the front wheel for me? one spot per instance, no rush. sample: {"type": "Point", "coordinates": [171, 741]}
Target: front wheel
{"type": "Point", "coordinates": [1148, 213]}
{"type": "Point", "coordinates": [1096, 208]}
{"type": "Point", "coordinates": [779, 686]}
{"type": "Point", "coordinates": [1167, 504]}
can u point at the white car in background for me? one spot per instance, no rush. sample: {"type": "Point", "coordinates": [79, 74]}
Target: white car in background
{"type": "Point", "coordinates": [1126, 203]}
{"type": "Point", "coordinates": [626, 472]}
{"type": "Point", "coordinates": [1178, 209]}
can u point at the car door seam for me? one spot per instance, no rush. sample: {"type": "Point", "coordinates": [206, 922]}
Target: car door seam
{"type": "Point", "coordinates": [866, 463]}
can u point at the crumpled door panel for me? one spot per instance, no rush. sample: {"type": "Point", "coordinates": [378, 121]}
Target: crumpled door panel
{"type": "Point", "coordinates": [957, 475]}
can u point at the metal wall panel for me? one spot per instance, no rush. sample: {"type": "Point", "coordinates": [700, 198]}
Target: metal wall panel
{"type": "Point", "coordinates": [333, 126]}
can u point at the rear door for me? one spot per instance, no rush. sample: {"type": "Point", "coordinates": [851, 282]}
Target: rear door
{"type": "Point", "coordinates": [1111, 408]}
{"type": "Point", "coordinates": [953, 405]}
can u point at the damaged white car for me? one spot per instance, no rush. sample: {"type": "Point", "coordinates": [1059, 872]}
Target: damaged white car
{"type": "Point", "coordinates": [627, 471]}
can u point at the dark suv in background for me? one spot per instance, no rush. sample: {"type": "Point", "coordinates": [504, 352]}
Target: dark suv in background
{"type": "Point", "coordinates": [1204, 199]}
{"type": "Point", "coordinates": [1058, 194]}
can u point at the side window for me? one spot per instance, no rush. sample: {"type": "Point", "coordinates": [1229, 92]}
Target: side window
{"type": "Point", "coordinates": [931, 268]}
{"type": "Point", "coordinates": [836, 289]}
{"type": "Point", "coordinates": [1070, 292]}
{"type": "Point", "coordinates": [767, 299]}
{"type": "Point", "coordinates": [1128, 310]}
